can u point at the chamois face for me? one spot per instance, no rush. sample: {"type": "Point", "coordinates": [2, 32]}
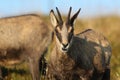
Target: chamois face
{"type": "Point", "coordinates": [64, 31]}
{"type": "Point", "coordinates": [64, 34]}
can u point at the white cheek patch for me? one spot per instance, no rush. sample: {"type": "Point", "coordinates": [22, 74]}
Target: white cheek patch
{"type": "Point", "coordinates": [69, 29]}
{"type": "Point", "coordinates": [58, 29]}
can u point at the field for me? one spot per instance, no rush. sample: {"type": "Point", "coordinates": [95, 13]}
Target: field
{"type": "Point", "coordinates": [109, 26]}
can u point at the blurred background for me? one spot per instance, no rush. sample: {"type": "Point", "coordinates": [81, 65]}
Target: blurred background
{"type": "Point", "coordinates": [90, 8]}
{"type": "Point", "coordinates": [101, 15]}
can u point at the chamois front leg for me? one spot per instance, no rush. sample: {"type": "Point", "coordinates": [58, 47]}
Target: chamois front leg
{"type": "Point", "coordinates": [34, 69]}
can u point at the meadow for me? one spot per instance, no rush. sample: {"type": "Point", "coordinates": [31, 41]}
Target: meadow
{"type": "Point", "coordinates": [109, 26]}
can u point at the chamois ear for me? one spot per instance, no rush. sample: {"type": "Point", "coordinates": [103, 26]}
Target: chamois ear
{"type": "Point", "coordinates": [53, 19]}
{"type": "Point", "coordinates": [72, 20]}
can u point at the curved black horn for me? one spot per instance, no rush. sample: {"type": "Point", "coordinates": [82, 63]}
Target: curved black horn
{"type": "Point", "coordinates": [75, 16]}
{"type": "Point", "coordinates": [59, 15]}
{"type": "Point", "coordinates": [68, 18]}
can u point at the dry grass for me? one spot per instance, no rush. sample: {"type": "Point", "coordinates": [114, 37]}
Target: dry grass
{"type": "Point", "coordinates": [108, 26]}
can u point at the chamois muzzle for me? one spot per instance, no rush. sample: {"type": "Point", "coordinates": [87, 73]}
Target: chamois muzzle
{"type": "Point", "coordinates": [65, 47]}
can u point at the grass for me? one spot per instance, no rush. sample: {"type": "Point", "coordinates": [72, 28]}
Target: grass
{"type": "Point", "coordinates": [107, 25]}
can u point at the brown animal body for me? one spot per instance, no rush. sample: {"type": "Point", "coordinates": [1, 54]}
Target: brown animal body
{"type": "Point", "coordinates": [85, 56]}
{"type": "Point", "coordinates": [23, 38]}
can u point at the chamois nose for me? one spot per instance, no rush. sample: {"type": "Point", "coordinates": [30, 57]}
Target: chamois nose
{"type": "Point", "coordinates": [65, 45]}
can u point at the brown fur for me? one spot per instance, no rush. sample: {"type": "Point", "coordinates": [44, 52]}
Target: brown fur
{"type": "Point", "coordinates": [23, 38]}
{"type": "Point", "coordinates": [86, 54]}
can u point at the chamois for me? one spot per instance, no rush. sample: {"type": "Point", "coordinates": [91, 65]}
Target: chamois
{"type": "Point", "coordinates": [23, 38]}
{"type": "Point", "coordinates": [83, 56]}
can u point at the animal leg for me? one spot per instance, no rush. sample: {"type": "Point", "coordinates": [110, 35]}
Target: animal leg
{"type": "Point", "coordinates": [96, 75]}
{"type": "Point", "coordinates": [106, 75]}
{"type": "Point", "coordinates": [34, 69]}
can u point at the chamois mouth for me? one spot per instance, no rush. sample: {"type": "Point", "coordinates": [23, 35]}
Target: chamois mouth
{"type": "Point", "coordinates": [64, 49]}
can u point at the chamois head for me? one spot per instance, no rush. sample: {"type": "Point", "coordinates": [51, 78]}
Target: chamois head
{"type": "Point", "coordinates": [63, 31]}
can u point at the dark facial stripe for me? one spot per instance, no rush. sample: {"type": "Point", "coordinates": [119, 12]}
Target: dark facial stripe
{"type": "Point", "coordinates": [58, 35]}
{"type": "Point", "coordinates": [70, 35]}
